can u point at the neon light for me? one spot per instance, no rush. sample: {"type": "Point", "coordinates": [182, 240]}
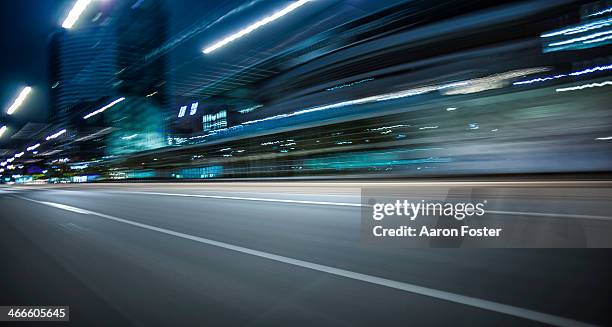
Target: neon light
{"type": "Point", "coordinates": [255, 26]}
{"type": "Point", "coordinates": [101, 110]}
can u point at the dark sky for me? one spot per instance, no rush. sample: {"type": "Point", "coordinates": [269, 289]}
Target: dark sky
{"type": "Point", "coordinates": [25, 26]}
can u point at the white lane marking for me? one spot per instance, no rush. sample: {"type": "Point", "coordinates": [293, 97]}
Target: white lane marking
{"type": "Point", "coordinates": [411, 288]}
{"type": "Point", "coordinates": [548, 215]}
{"type": "Point", "coordinates": [357, 195]}
{"type": "Point", "coordinates": [509, 213]}
{"type": "Point", "coordinates": [63, 207]}
{"type": "Point", "coordinates": [343, 204]}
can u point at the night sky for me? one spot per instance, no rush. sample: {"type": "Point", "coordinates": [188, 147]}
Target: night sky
{"type": "Point", "coordinates": [26, 25]}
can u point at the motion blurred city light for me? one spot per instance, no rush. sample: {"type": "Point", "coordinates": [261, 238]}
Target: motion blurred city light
{"type": "Point", "coordinates": [103, 108]}
{"type": "Point", "coordinates": [255, 26]}
{"type": "Point", "coordinates": [2, 130]}
{"type": "Point", "coordinates": [75, 12]}
{"type": "Point", "coordinates": [56, 135]}
{"type": "Point", "coordinates": [33, 147]}
{"type": "Point", "coordinates": [19, 101]}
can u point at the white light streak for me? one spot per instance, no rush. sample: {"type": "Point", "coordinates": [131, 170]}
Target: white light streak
{"type": "Point", "coordinates": [462, 87]}
{"type": "Point", "coordinates": [605, 11]}
{"type": "Point", "coordinates": [33, 147]}
{"type": "Point", "coordinates": [101, 110]}
{"type": "Point", "coordinates": [19, 155]}
{"type": "Point", "coordinates": [579, 29]}
{"type": "Point", "coordinates": [255, 26]}
{"type": "Point", "coordinates": [578, 39]}
{"type": "Point", "coordinates": [540, 79]}
{"type": "Point", "coordinates": [96, 134]}
{"type": "Point", "coordinates": [577, 73]}
{"type": "Point", "coordinates": [2, 130]}
{"type": "Point", "coordinates": [591, 70]}
{"type": "Point", "coordinates": [604, 138]}
{"type": "Point", "coordinates": [19, 101]}
{"type": "Point", "coordinates": [599, 40]}
{"type": "Point", "coordinates": [129, 137]}
{"type": "Point", "coordinates": [56, 135]}
{"type": "Point", "coordinates": [585, 86]}
{"type": "Point", "coordinates": [74, 14]}
{"type": "Point", "coordinates": [451, 109]}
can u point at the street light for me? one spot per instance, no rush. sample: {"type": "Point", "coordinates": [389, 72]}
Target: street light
{"type": "Point", "coordinates": [20, 98]}
{"type": "Point", "coordinates": [255, 26]}
{"type": "Point", "coordinates": [53, 136]}
{"type": "Point", "coordinates": [75, 13]}
{"type": "Point", "coordinates": [33, 147]}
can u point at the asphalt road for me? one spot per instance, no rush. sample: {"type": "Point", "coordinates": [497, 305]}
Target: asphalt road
{"type": "Point", "coordinates": [283, 254]}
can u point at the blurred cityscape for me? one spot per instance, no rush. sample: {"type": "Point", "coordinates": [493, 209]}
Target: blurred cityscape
{"type": "Point", "coordinates": [195, 90]}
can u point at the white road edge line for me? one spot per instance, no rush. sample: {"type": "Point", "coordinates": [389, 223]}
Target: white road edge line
{"type": "Point", "coordinates": [411, 288]}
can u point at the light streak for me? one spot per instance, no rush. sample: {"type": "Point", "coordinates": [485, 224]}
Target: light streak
{"type": "Point", "coordinates": [19, 101]}
{"type": "Point", "coordinates": [584, 86]}
{"type": "Point", "coordinates": [56, 135]}
{"type": "Point", "coordinates": [578, 39]}
{"type": "Point", "coordinates": [255, 26]}
{"type": "Point", "coordinates": [74, 14]}
{"type": "Point", "coordinates": [33, 147]}
{"type": "Point", "coordinates": [101, 110]}
{"type": "Point", "coordinates": [602, 12]}
{"type": "Point", "coordinates": [579, 29]}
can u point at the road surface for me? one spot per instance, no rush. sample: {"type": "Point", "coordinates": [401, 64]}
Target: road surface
{"type": "Point", "coordinates": [283, 254]}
